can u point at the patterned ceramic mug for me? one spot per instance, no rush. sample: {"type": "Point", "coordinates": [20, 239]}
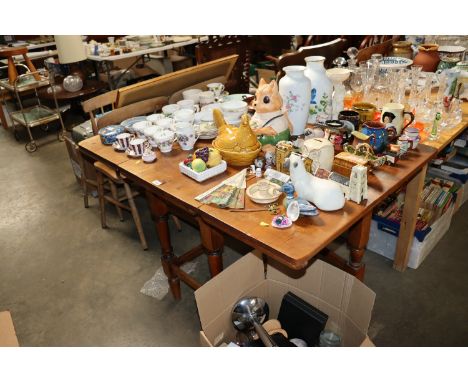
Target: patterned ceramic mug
{"type": "Point", "coordinates": [137, 146]}
{"type": "Point", "coordinates": [186, 135]}
{"type": "Point", "coordinates": [393, 115]}
{"type": "Point", "coordinates": [124, 139]}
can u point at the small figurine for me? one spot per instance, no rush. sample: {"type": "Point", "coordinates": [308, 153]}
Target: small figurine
{"type": "Point", "coordinates": [435, 127]}
{"type": "Point", "coordinates": [358, 184]}
{"type": "Point", "coordinates": [269, 122]}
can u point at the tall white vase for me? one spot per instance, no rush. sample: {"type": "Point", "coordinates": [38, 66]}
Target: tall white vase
{"type": "Point", "coordinates": [322, 88]}
{"type": "Point", "coordinates": [295, 89]}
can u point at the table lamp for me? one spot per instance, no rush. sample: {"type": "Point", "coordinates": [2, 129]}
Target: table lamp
{"type": "Point", "coordinates": [71, 50]}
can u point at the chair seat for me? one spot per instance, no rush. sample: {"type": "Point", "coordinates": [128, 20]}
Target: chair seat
{"type": "Point", "coordinates": [106, 170]}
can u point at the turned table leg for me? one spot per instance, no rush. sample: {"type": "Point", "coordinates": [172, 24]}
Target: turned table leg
{"type": "Point", "coordinates": [160, 214]}
{"type": "Point", "coordinates": [213, 242]}
{"type": "Point", "coordinates": [358, 236]}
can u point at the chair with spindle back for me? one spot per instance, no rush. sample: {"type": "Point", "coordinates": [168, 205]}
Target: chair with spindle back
{"type": "Point", "coordinates": [97, 104]}
{"type": "Point", "coordinates": [221, 46]}
{"type": "Point", "coordinates": [382, 48]}
{"type": "Point", "coordinates": [105, 173]}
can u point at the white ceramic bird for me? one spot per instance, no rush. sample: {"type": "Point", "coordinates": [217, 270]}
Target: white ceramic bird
{"type": "Point", "coordinates": [325, 194]}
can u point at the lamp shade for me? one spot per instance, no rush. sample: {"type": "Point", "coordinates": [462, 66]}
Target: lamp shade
{"type": "Point", "coordinates": [70, 49]}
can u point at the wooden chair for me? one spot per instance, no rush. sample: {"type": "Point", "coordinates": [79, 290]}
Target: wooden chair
{"type": "Point", "coordinates": [98, 103]}
{"type": "Point", "coordinates": [116, 116]}
{"type": "Point", "coordinates": [221, 46]}
{"type": "Point", "coordinates": [330, 50]}
{"type": "Point", "coordinates": [81, 169]}
{"type": "Point", "coordinates": [104, 173]}
{"type": "Point", "coordinates": [383, 48]}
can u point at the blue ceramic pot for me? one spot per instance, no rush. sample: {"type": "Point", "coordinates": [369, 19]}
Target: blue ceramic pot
{"type": "Point", "coordinates": [109, 134]}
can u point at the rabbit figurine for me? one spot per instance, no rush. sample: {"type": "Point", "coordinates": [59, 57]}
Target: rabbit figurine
{"type": "Point", "coordinates": [269, 122]}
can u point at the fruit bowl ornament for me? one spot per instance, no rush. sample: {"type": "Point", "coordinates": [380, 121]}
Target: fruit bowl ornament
{"type": "Point", "coordinates": [238, 146]}
{"type": "Point", "coordinates": [203, 164]}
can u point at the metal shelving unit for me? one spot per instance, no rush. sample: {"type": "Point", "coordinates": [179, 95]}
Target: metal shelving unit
{"type": "Point", "coordinates": [38, 114]}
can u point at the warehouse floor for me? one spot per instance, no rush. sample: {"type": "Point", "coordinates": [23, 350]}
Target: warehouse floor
{"type": "Point", "coordinates": [67, 282]}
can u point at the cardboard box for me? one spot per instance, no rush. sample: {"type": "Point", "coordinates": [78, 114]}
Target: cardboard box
{"type": "Point", "coordinates": [346, 300]}
{"type": "Point", "coordinates": [7, 330]}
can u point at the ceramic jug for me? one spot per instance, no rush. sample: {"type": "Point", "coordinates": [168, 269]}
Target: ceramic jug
{"type": "Point", "coordinates": [379, 134]}
{"type": "Point", "coordinates": [295, 90]}
{"type": "Point", "coordinates": [428, 57]}
{"type": "Point", "coordinates": [321, 93]}
{"type": "Point", "coordinates": [402, 49]}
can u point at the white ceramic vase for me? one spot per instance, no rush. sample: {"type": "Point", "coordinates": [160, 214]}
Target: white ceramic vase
{"type": "Point", "coordinates": [295, 89]}
{"type": "Point", "coordinates": [322, 88]}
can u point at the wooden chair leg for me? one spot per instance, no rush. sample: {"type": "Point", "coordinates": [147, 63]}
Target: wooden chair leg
{"type": "Point", "coordinates": [115, 195]}
{"type": "Point", "coordinates": [12, 72]}
{"type": "Point", "coordinates": [136, 216]}
{"type": "Point", "coordinates": [102, 201]}
{"type": "Point", "coordinates": [177, 223]}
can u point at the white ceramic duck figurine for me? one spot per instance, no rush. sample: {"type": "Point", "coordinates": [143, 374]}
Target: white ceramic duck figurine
{"type": "Point", "coordinates": [324, 193]}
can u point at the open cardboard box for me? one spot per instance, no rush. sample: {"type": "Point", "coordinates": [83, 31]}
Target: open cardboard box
{"type": "Point", "coordinates": [7, 330]}
{"type": "Point", "coordinates": [346, 300]}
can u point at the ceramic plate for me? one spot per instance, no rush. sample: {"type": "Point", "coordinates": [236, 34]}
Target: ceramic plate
{"type": "Point", "coordinates": [129, 122]}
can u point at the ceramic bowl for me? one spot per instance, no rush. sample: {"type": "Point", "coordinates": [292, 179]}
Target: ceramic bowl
{"type": "Point", "coordinates": [139, 127]}
{"type": "Point", "coordinates": [395, 63]}
{"type": "Point", "coordinates": [264, 192]}
{"type": "Point", "coordinates": [109, 134]}
{"type": "Point", "coordinates": [338, 74]}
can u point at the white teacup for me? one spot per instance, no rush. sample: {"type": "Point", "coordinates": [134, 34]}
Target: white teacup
{"type": "Point", "coordinates": [168, 110]}
{"type": "Point", "coordinates": [139, 127]}
{"type": "Point", "coordinates": [188, 104]}
{"type": "Point", "coordinates": [205, 98]}
{"type": "Point", "coordinates": [216, 88]}
{"type": "Point", "coordinates": [192, 94]}
{"type": "Point", "coordinates": [154, 118]}
{"type": "Point", "coordinates": [123, 139]}
{"type": "Point", "coordinates": [184, 115]}
{"type": "Point", "coordinates": [186, 135]}
{"type": "Point", "coordinates": [165, 123]}
{"type": "Point", "coordinates": [137, 146]}
{"type": "Point", "coordinates": [164, 140]}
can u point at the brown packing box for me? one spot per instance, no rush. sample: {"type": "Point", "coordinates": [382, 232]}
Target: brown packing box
{"type": "Point", "coordinates": [346, 300]}
{"type": "Point", "coordinates": [7, 330]}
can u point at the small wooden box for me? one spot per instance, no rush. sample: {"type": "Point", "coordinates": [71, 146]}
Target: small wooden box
{"type": "Point", "coordinates": [344, 162]}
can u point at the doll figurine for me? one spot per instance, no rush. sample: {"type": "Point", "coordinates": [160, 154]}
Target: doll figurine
{"type": "Point", "coordinates": [269, 122]}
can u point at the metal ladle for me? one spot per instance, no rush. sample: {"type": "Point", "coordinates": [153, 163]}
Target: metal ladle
{"type": "Point", "coordinates": [251, 312]}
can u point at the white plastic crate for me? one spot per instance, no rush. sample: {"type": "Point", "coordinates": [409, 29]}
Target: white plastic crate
{"type": "Point", "coordinates": [384, 243]}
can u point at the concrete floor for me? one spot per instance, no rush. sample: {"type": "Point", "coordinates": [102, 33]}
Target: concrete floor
{"type": "Point", "coordinates": [67, 282]}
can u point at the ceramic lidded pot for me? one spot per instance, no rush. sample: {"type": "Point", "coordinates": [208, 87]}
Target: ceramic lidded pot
{"type": "Point", "coordinates": [295, 89]}
{"type": "Point", "coordinates": [322, 88]}
{"type": "Point", "coordinates": [402, 49]}
{"type": "Point", "coordinates": [428, 57]}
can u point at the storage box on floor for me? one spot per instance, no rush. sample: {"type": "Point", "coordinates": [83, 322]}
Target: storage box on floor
{"type": "Point", "coordinates": [384, 234]}
{"type": "Point", "coordinates": [346, 300]}
{"type": "Point", "coordinates": [7, 330]}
